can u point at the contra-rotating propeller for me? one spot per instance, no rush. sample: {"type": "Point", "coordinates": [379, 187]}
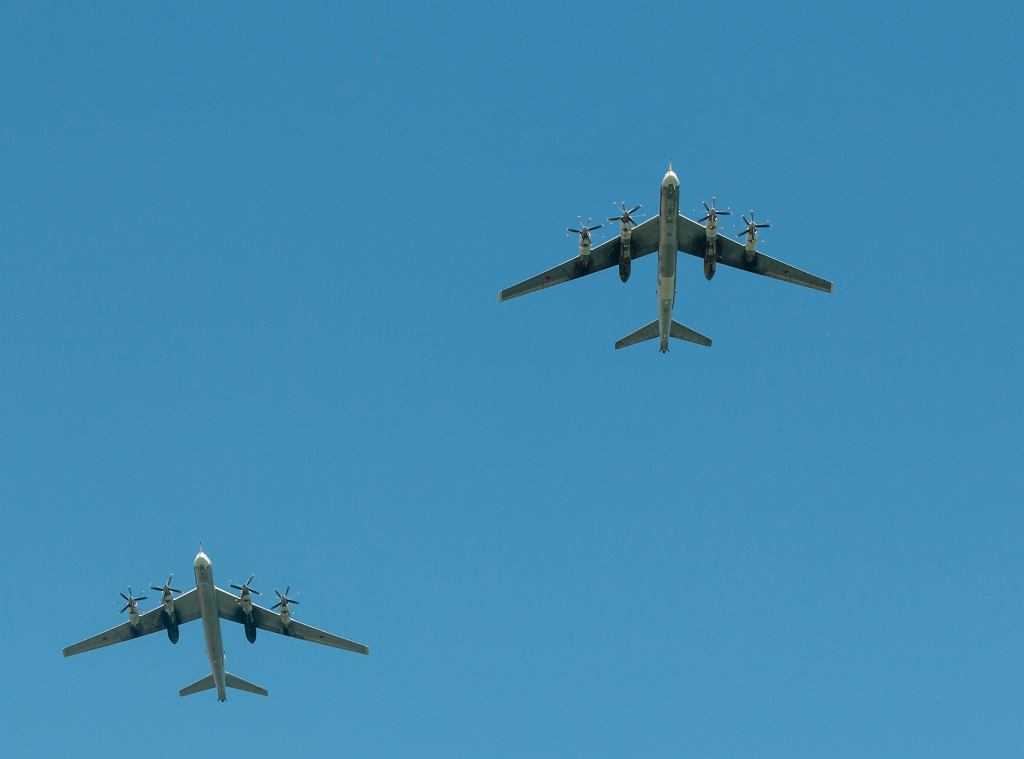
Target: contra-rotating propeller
{"type": "Point", "coordinates": [166, 588]}
{"type": "Point", "coordinates": [283, 600]}
{"type": "Point", "coordinates": [583, 231]}
{"type": "Point", "coordinates": [713, 212]}
{"type": "Point", "coordinates": [753, 226]}
{"type": "Point", "coordinates": [130, 601]}
{"type": "Point", "coordinates": [626, 217]}
{"type": "Point", "coordinates": [246, 587]}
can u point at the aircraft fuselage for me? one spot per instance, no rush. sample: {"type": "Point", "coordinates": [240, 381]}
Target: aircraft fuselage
{"type": "Point", "coordinates": [208, 611]}
{"type": "Point", "coordinates": [667, 253]}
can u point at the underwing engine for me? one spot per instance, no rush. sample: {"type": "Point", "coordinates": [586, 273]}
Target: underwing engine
{"type": "Point", "coordinates": [626, 225]}
{"type": "Point", "coordinates": [284, 603]}
{"type": "Point", "coordinates": [750, 248]}
{"type": "Point", "coordinates": [711, 251]}
{"type": "Point", "coordinates": [584, 233]}
{"type": "Point", "coordinates": [245, 594]}
{"type": "Point", "coordinates": [168, 613]}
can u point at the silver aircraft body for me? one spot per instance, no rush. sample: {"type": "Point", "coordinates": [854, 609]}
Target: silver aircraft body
{"type": "Point", "coordinates": [668, 233]}
{"type": "Point", "coordinates": [212, 604]}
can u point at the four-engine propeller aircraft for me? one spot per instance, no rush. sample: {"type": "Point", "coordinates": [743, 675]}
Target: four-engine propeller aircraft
{"type": "Point", "coordinates": [212, 604]}
{"type": "Point", "coordinates": [668, 233]}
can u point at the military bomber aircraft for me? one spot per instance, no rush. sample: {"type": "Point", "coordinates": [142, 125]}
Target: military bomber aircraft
{"type": "Point", "coordinates": [212, 604]}
{"type": "Point", "coordinates": [667, 233]}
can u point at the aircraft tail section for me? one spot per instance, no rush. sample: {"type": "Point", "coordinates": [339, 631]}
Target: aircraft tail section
{"type": "Point", "coordinates": [205, 683]}
{"type": "Point", "coordinates": [647, 332]}
{"type": "Point", "coordinates": [680, 332]}
{"type": "Point", "coordinates": [233, 681]}
{"type": "Point", "coordinates": [650, 331]}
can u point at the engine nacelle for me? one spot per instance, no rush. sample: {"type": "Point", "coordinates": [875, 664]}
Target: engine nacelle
{"type": "Point", "coordinates": [625, 255]}
{"type": "Point", "coordinates": [250, 631]}
{"type": "Point", "coordinates": [171, 625]}
{"type": "Point", "coordinates": [710, 257]}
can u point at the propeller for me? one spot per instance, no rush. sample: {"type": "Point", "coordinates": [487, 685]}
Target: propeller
{"type": "Point", "coordinates": [130, 601]}
{"type": "Point", "coordinates": [713, 212]}
{"type": "Point", "coordinates": [246, 587]}
{"type": "Point", "coordinates": [166, 588]}
{"type": "Point", "coordinates": [626, 217]}
{"type": "Point", "coordinates": [584, 230]}
{"type": "Point", "coordinates": [753, 226]}
{"type": "Point", "coordinates": [283, 600]}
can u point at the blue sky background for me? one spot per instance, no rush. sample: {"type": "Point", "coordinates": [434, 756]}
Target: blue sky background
{"type": "Point", "coordinates": [249, 260]}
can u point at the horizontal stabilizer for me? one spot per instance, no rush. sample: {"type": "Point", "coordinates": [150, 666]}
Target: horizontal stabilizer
{"type": "Point", "coordinates": [648, 332]}
{"type": "Point", "coordinates": [679, 332]}
{"type": "Point", "coordinates": [233, 681]}
{"type": "Point", "coordinates": [199, 685]}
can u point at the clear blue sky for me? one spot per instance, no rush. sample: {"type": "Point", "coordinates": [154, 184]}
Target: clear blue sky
{"type": "Point", "coordinates": [249, 260]}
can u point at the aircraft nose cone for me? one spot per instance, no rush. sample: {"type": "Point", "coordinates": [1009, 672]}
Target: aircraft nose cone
{"type": "Point", "coordinates": [671, 178]}
{"type": "Point", "coordinates": [202, 560]}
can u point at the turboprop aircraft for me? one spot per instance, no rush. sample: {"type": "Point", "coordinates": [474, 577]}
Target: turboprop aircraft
{"type": "Point", "coordinates": [667, 233]}
{"type": "Point", "coordinates": [212, 604]}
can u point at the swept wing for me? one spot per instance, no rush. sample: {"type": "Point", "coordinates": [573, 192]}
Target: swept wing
{"type": "Point", "coordinates": [229, 608]}
{"type": "Point", "coordinates": [643, 241]}
{"type": "Point", "coordinates": [693, 240]}
{"type": "Point", "coordinates": [186, 609]}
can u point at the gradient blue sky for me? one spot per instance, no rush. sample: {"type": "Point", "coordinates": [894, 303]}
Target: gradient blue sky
{"type": "Point", "coordinates": [249, 260]}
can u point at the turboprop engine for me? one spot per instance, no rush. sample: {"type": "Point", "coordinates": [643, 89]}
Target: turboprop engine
{"type": "Point", "coordinates": [585, 243]}
{"type": "Point", "coordinates": [750, 249]}
{"type": "Point", "coordinates": [711, 251]}
{"type": "Point", "coordinates": [283, 603]}
{"type": "Point", "coordinates": [168, 613]}
{"type": "Point", "coordinates": [245, 594]}
{"type": "Point", "coordinates": [626, 225]}
{"type": "Point", "coordinates": [131, 605]}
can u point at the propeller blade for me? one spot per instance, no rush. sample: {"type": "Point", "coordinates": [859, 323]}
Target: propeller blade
{"type": "Point", "coordinates": [123, 596]}
{"type": "Point", "coordinates": [633, 210]}
{"type": "Point", "coordinates": [724, 213]}
{"type": "Point", "coordinates": [762, 226]}
{"type": "Point", "coordinates": [237, 587]}
{"type": "Point", "coordinates": [575, 231]}
{"type": "Point", "coordinates": [141, 598]}
{"type": "Point", "coordinates": [705, 218]}
{"type": "Point", "coordinates": [124, 608]}
{"type": "Point", "coordinates": [591, 229]}
{"type": "Point", "coordinates": [154, 587]}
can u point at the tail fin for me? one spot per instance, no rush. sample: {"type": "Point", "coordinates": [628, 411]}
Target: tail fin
{"type": "Point", "coordinates": [199, 685]}
{"type": "Point", "coordinates": [650, 331]}
{"type": "Point", "coordinates": [233, 681]}
{"type": "Point", "coordinates": [685, 333]}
